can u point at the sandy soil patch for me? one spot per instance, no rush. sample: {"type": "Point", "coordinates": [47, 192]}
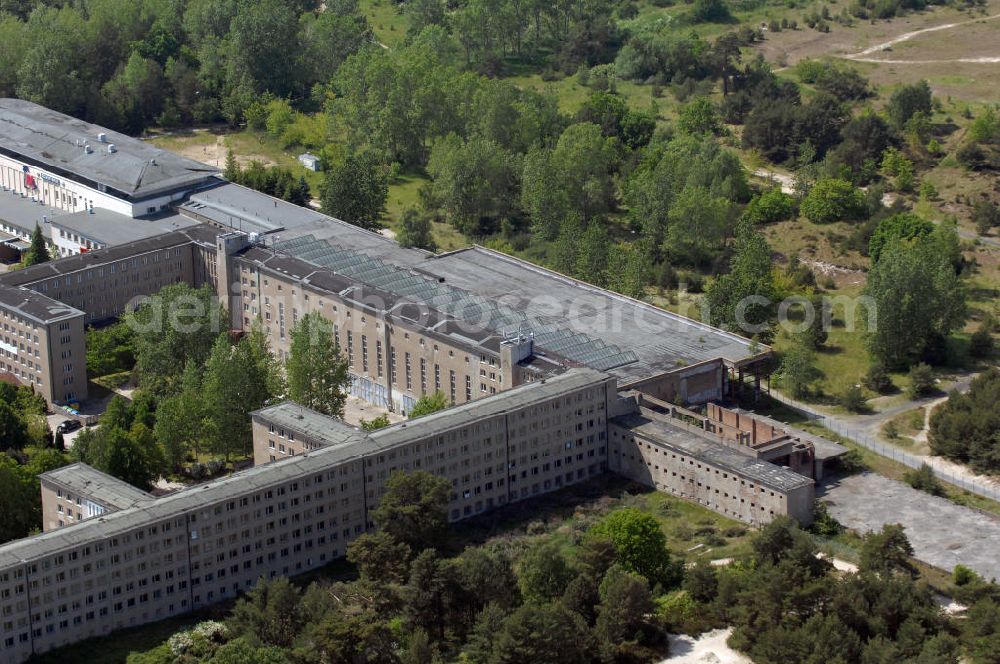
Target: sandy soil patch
{"type": "Point", "coordinates": [947, 47]}
{"type": "Point", "coordinates": [840, 274]}
{"type": "Point", "coordinates": [709, 648]}
{"type": "Point", "coordinates": [838, 564]}
{"type": "Point", "coordinates": [212, 153]}
{"type": "Point", "coordinates": [950, 606]}
{"type": "Point", "coordinates": [356, 409]}
{"type": "Point", "coordinates": [960, 471]}
{"type": "Point", "coordinates": [791, 46]}
{"type": "Point", "coordinates": [164, 486]}
{"type": "Point", "coordinates": [787, 182]}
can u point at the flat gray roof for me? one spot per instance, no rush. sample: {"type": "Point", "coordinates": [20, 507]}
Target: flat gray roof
{"type": "Point", "coordinates": [39, 308]}
{"type": "Point", "coordinates": [243, 209]}
{"type": "Point", "coordinates": [712, 452]}
{"type": "Point", "coordinates": [572, 322]}
{"type": "Point", "coordinates": [661, 340]}
{"type": "Point", "coordinates": [87, 481]}
{"type": "Point", "coordinates": [495, 404]}
{"type": "Point", "coordinates": [23, 213]}
{"type": "Point", "coordinates": [314, 425]}
{"type": "Point", "coordinates": [246, 210]}
{"type": "Point", "coordinates": [111, 228]}
{"type": "Point", "coordinates": [55, 141]}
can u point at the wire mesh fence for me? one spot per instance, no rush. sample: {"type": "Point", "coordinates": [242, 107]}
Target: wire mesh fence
{"type": "Point", "coordinates": [891, 451]}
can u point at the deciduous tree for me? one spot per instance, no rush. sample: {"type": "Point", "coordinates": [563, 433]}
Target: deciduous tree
{"type": "Point", "coordinates": [177, 324]}
{"type": "Point", "coordinates": [833, 199]}
{"type": "Point", "coordinates": [908, 100]}
{"type": "Point", "coordinates": [20, 508]}
{"type": "Point", "coordinates": [742, 300]}
{"type": "Point", "coordinates": [477, 183]}
{"type": "Point", "coordinates": [543, 573]}
{"type": "Point", "coordinates": [415, 230]}
{"type": "Point", "coordinates": [238, 379]}
{"type": "Point", "coordinates": [355, 190]}
{"type": "Point", "coordinates": [317, 371]}
{"type": "Point", "coordinates": [918, 300]}
{"type": "Point", "coordinates": [640, 545]}
{"type": "Point", "coordinates": [429, 403]}
{"type": "Point", "coordinates": [180, 419]}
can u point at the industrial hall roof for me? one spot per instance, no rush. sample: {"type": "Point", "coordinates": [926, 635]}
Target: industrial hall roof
{"type": "Point", "coordinates": [66, 145]}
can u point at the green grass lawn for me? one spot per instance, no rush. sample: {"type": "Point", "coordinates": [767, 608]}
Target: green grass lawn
{"type": "Point", "coordinates": [843, 360]}
{"type": "Point", "coordinates": [907, 424]}
{"type": "Point", "coordinates": [113, 381]}
{"type": "Point", "coordinates": [250, 143]}
{"type": "Point", "coordinates": [386, 19]}
{"type": "Point", "coordinates": [571, 94]}
{"type": "Point", "coordinates": [245, 144]}
{"type": "Point", "coordinates": [403, 194]}
{"type": "Point", "coordinates": [184, 139]}
{"type": "Point", "coordinates": [567, 514]}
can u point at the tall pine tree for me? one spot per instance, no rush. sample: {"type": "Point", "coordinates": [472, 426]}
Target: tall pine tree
{"type": "Point", "coordinates": [39, 250]}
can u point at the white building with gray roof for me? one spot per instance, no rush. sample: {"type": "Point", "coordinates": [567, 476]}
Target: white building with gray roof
{"type": "Point", "coordinates": [72, 165]}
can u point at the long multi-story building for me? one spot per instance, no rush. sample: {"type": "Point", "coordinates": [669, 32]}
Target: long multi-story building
{"type": "Point", "coordinates": [410, 323]}
{"type": "Point", "coordinates": [129, 218]}
{"type": "Point", "coordinates": [113, 557]}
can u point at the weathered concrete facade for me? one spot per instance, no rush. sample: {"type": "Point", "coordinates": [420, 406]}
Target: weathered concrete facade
{"type": "Point", "coordinates": [146, 558]}
{"type": "Point", "coordinates": [663, 454]}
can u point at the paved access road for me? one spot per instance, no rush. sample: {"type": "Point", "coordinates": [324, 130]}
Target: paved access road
{"type": "Point", "coordinates": [943, 534]}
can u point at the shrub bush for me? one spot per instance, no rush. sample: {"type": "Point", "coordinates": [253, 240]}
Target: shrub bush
{"type": "Point", "coordinates": [923, 479]}
{"type": "Point", "coordinates": [833, 199]}
{"type": "Point", "coordinates": [877, 379]}
{"type": "Point", "coordinates": [921, 381]}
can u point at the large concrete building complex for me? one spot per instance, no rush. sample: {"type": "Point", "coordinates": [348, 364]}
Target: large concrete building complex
{"type": "Point", "coordinates": [125, 557]}
{"type": "Point", "coordinates": [552, 381]}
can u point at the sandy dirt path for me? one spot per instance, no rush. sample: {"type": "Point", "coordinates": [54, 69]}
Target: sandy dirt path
{"type": "Point", "coordinates": [862, 56]}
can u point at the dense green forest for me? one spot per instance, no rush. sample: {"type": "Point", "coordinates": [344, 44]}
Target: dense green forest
{"type": "Point", "coordinates": [613, 193]}
{"type": "Point", "coordinates": [603, 588]}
